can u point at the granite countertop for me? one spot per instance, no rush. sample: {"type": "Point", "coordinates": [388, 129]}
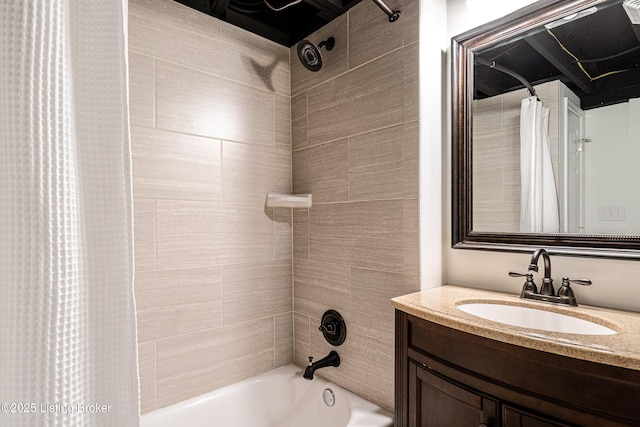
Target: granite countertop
{"type": "Point", "coordinates": [438, 305]}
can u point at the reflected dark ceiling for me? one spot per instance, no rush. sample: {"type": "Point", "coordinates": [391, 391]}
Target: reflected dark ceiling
{"type": "Point", "coordinates": [286, 27]}
{"type": "Point", "coordinates": [597, 56]}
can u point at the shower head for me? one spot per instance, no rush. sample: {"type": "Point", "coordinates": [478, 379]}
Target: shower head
{"type": "Point", "coordinates": [309, 54]}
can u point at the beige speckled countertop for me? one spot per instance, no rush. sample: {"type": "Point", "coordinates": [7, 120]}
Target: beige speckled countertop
{"type": "Point", "coordinates": [438, 305]}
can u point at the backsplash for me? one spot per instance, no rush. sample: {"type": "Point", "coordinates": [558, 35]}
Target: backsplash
{"type": "Point", "coordinates": [211, 135]}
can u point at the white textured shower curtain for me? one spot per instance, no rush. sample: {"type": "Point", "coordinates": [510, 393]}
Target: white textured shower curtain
{"type": "Point", "coordinates": [67, 313]}
{"type": "Point", "coordinates": [539, 211]}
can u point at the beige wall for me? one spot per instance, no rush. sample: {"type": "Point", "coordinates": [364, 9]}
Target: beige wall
{"type": "Point", "coordinates": [211, 132]}
{"type": "Point", "coordinates": [355, 148]}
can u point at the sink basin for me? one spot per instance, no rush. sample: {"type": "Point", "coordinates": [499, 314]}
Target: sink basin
{"type": "Point", "coordinates": [532, 318]}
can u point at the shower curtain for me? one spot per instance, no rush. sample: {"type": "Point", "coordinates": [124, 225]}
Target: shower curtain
{"type": "Point", "coordinates": [68, 353]}
{"type": "Point", "coordinates": [539, 211]}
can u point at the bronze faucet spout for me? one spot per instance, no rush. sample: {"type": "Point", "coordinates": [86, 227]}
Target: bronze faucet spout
{"type": "Point", "coordinates": [547, 281]}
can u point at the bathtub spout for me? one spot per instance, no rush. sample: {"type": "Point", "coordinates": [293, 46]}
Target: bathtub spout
{"type": "Point", "coordinates": [332, 359]}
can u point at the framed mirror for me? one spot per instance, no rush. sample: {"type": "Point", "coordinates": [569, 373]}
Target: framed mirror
{"type": "Point", "coordinates": [546, 130]}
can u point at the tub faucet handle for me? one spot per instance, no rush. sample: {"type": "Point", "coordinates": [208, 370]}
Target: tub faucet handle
{"type": "Point", "coordinates": [330, 328]}
{"type": "Point", "coordinates": [310, 360]}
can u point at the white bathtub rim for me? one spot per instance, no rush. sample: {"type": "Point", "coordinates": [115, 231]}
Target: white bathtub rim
{"type": "Point", "coordinates": [364, 413]}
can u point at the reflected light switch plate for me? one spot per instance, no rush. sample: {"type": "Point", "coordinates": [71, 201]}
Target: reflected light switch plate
{"type": "Point", "coordinates": [610, 213]}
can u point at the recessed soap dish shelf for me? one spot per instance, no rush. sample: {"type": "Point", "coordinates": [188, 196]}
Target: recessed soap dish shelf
{"type": "Point", "coordinates": [275, 200]}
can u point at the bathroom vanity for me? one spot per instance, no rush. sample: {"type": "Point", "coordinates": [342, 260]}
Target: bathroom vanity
{"type": "Point", "coordinates": [456, 369]}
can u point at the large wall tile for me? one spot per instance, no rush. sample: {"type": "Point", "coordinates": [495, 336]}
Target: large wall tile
{"type": "Point", "coordinates": [284, 339]}
{"type": "Point", "coordinates": [145, 234]}
{"type": "Point", "coordinates": [361, 234]}
{"type": "Point", "coordinates": [197, 103]}
{"type": "Point", "coordinates": [192, 364]}
{"type": "Point", "coordinates": [322, 171]}
{"type": "Point", "coordinates": [411, 229]}
{"type": "Point", "coordinates": [283, 122]}
{"type": "Point", "coordinates": [172, 32]}
{"type": "Point", "coordinates": [411, 132]}
{"type": "Point", "coordinates": [188, 234]}
{"type": "Point", "coordinates": [334, 62]}
{"type": "Point", "coordinates": [282, 233]}
{"type": "Point", "coordinates": [373, 235]}
{"type": "Point", "coordinates": [173, 15]}
{"type": "Point", "coordinates": [245, 233]}
{"type": "Point", "coordinates": [299, 121]}
{"type": "Point", "coordinates": [487, 114]}
{"type": "Point", "coordinates": [254, 60]}
{"type": "Point", "coordinates": [410, 83]}
{"type": "Point", "coordinates": [174, 302]}
{"type": "Point", "coordinates": [371, 35]}
{"type": "Point", "coordinates": [362, 100]}
{"type": "Point", "coordinates": [301, 233]}
{"type": "Point", "coordinates": [255, 290]}
{"type": "Point", "coordinates": [494, 148]}
{"type": "Point", "coordinates": [411, 16]}
{"type": "Point", "coordinates": [147, 366]}
{"type": "Point", "coordinates": [371, 292]}
{"type": "Point", "coordinates": [169, 165]}
{"type": "Point", "coordinates": [141, 90]}
{"type": "Point", "coordinates": [301, 339]}
{"type": "Point", "coordinates": [360, 357]}
{"type": "Point", "coordinates": [197, 84]}
{"type": "Point", "coordinates": [487, 187]}
{"type": "Point", "coordinates": [370, 338]}
{"type": "Point", "coordinates": [270, 172]}
{"type": "Point", "coordinates": [376, 165]}
{"type": "Point", "coordinates": [319, 287]}
{"type": "Point", "coordinates": [378, 388]}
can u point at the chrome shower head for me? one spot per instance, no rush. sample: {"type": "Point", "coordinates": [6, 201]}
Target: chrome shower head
{"type": "Point", "coordinates": [309, 54]}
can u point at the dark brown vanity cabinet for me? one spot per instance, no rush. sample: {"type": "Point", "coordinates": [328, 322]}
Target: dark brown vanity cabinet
{"type": "Point", "coordinates": [449, 378]}
{"type": "Point", "coordinates": [446, 403]}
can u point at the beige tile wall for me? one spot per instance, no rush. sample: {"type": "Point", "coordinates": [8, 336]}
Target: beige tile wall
{"type": "Point", "coordinates": [355, 148]}
{"type": "Point", "coordinates": [211, 135]}
{"type": "Point", "coordinates": [496, 156]}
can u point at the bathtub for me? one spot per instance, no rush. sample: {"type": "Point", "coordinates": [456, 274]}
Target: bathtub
{"type": "Point", "coordinates": [278, 398]}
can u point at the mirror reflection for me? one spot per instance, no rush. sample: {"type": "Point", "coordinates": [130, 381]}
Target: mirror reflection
{"type": "Point", "coordinates": [556, 126]}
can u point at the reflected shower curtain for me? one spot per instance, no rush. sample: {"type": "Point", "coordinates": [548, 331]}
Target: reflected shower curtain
{"type": "Point", "coordinates": [539, 211]}
{"type": "Point", "coordinates": [67, 312]}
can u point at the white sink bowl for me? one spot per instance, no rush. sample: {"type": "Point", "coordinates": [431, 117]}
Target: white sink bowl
{"type": "Point", "coordinates": [531, 318]}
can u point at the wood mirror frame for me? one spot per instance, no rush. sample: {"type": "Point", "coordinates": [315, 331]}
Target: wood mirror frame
{"type": "Point", "coordinates": [462, 55]}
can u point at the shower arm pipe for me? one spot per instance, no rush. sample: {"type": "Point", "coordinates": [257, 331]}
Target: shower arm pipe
{"type": "Point", "coordinates": [492, 64]}
{"type": "Point", "coordinates": [392, 14]}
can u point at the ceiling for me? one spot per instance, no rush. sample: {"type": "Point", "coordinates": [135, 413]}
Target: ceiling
{"type": "Point", "coordinates": [286, 27]}
{"type": "Point", "coordinates": [567, 52]}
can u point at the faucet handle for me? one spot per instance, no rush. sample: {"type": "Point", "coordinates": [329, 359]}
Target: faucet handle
{"type": "Point", "coordinates": [516, 274]}
{"type": "Point", "coordinates": [529, 285]}
{"type": "Point", "coordinates": [583, 282]}
{"type": "Point", "coordinates": [310, 360]}
{"type": "Point", "coordinates": [566, 293]}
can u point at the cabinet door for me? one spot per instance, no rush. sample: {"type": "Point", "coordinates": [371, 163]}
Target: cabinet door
{"type": "Point", "coordinates": [435, 401]}
{"type": "Point", "coordinates": [512, 417]}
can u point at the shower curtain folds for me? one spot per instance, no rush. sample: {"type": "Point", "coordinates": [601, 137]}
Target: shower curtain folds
{"type": "Point", "coordinates": [539, 211]}
{"type": "Point", "coordinates": [67, 313]}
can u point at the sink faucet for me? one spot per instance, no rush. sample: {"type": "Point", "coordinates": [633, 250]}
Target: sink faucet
{"type": "Point", "coordinates": [547, 293]}
{"type": "Point", "coordinates": [547, 281]}
{"type": "Point", "coordinates": [332, 359]}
